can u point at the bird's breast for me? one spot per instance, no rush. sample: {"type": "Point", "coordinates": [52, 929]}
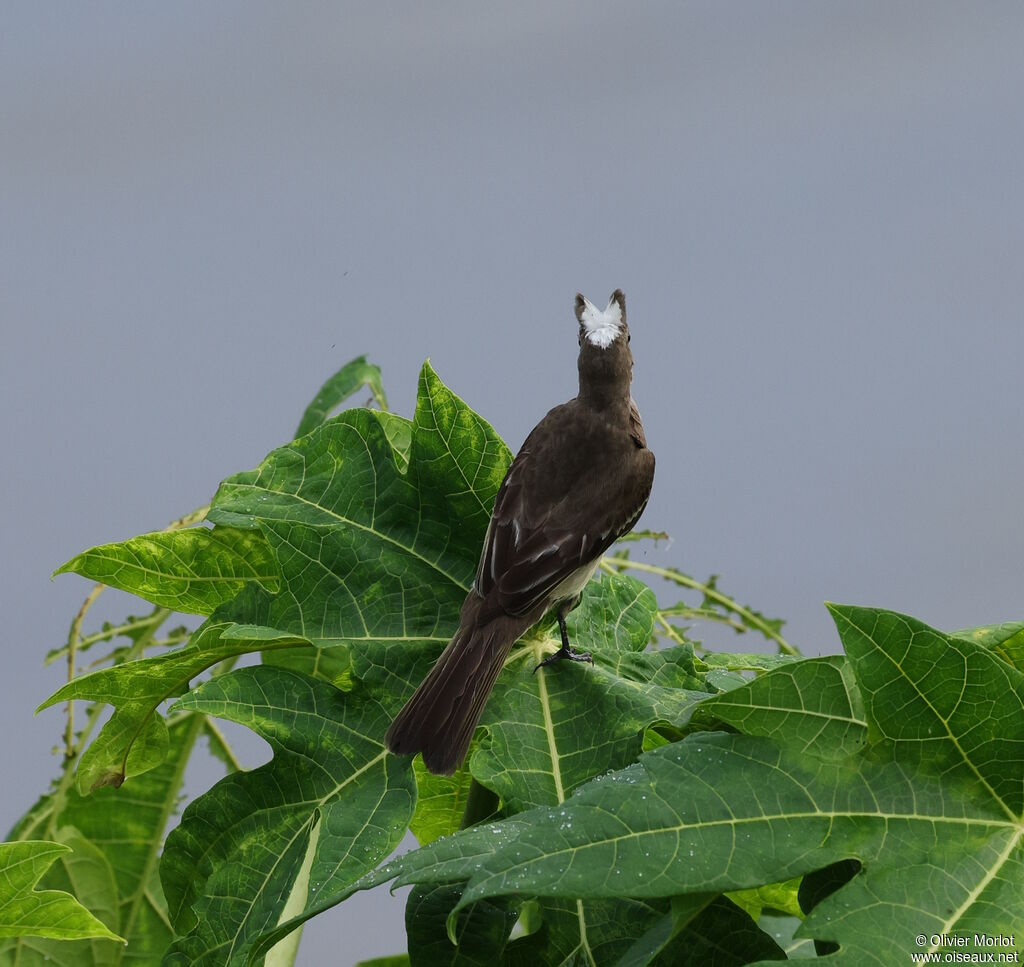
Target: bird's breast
{"type": "Point", "coordinates": [572, 585]}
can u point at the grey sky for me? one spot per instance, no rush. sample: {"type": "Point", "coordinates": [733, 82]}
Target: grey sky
{"type": "Point", "coordinates": [816, 211]}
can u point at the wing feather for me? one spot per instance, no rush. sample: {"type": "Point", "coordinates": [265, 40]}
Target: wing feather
{"type": "Point", "coordinates": [556, 513]}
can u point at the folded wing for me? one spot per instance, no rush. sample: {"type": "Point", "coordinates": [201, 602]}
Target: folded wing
{"type": "Point", "coordinates": [554, 516]}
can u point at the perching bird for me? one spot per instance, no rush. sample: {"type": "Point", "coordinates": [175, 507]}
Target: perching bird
{"type": "Point", "coordinates": [579, 483]}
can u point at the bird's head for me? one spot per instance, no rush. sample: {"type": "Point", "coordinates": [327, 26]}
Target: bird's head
{"type": "Point", "coordinates": [606, 362]}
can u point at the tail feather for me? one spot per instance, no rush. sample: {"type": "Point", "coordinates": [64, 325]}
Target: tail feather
{"type": "Point", "coordinates": [440, 718]}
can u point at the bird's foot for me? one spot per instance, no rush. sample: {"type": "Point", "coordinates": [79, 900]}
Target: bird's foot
{"type": "Point", "coordinates": [566, 653]}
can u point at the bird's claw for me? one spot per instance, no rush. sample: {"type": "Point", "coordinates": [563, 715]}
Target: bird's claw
{"type": "Point", "coordinates": [566, 653]}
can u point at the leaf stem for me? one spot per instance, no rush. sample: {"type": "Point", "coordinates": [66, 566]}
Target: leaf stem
{"type": "Point", "coordinates": [703, 614]}
{"type": "Point", "coordinates": [73, 639]}
{"type": "Point", "coordinates": [671, 631]}
{"type": "Point", "coordinates": [84, 644]}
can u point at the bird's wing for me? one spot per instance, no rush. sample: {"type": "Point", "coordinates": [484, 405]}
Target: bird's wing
{"type": "Point", "coordinates": [551, 518]}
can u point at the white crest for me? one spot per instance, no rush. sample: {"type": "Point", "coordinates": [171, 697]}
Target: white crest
{"type": "Point", "coordinates": [601, 327]}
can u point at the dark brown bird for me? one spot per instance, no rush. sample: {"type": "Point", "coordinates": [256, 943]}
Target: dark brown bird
{"type": "Point", "coordinates": [580, 481]}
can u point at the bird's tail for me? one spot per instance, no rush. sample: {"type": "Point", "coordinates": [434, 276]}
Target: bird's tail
{"type": "Point", "coordinates": [440, 718]}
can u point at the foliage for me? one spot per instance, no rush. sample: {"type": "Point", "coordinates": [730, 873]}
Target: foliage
{"type": "Point", "coordinates": [48, 913]}
{"type": "Point", "coordinates": [669, 804]}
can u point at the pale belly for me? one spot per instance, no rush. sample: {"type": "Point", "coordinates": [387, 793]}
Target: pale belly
{"type": "Point", "coordinates": [572, 585]}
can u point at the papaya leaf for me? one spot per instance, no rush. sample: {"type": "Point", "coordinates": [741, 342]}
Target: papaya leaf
{"type": "Point", "coordinates": [557, 727]}
{"type": "Point", "coordinates": [375, 556]}
{"type": "Point", "coordinates": [40, 913]}
{"type": "Point", "coordinates": [561, 931]}
{"type": "Point", "coordinates": [814, 703]}
{"type": "Point", "coordinates": [428, 523]}
{"type": "Point", "coordinates": [477, 938]}
{"type": "Point", "coordinates": [329, 806]}
{"type": "Point", "coordinates": [338, 388]}
{"type": "Point", "coordinates": [1006, 640]}
{"type": "Point", "coordinates": [931, 809]}
{"type": "Point", "coordinates": [83, 872]}
{"type": "Point", "coordinates": [134, 740]}
{"type": "Point", "coordinates": [440, 803]}
{"type": "Point", "coordinates": [398, 430]}
{"type": "Point", "coordinates": [698, 938]}
{"type": "Point", "coordinates": [192, 570]}
{"type": "Point", "coordinates": [776, 897]}
{"type": "Point", "coordinates": [747, 661]}
{"type": "Point", "coordinates": [649, 946]}
{"type": "Point", "coordinates": [694, 931]}
{"type": "Point", "coordinates": [119, 831]}
{"type": "Point", "coordinates": [583, 931]}
{"type": "Point", "coordinates": [939, 700]}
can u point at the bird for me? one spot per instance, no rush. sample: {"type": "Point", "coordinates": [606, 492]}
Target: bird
{"type": "Point", "coordinates": [580, 481]}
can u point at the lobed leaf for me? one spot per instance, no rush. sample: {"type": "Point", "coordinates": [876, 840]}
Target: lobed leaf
{"type": "Point", "coordinates": [338, 388]}
{"type": "Point", "coordinates": [1005, 640]}
{"type": "Point", "coordinates": [940, 700]}
{"type": "Point", "coordinates": [328, 807]}
{"type": "Point", "coordinates": [134, 740]}
{"type": "Point", "coordinates": [40, 913]}
{"type": "Point", "coordinates": [83, 872]}
{"type": "Point", "coordinates": [937, 832]}
{"type": "Point", "coordinates": [477, 938]}
{"type": "Point", "coordinates": [814, 704]}
{"type": "Point", "coordinates": [118, 834]}
{"type": "Point", "coordinates": [192, 570]}
{"type": "Point", "coordinates": [440, 802]}
{"type": "Point", "coordinates": [376, 550]}
{"type": "Point", "coordinates": [553, 729]}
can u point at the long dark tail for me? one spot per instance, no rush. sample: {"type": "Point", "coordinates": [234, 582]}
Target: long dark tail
{"type": "Point", "coordinates": [440, 718]}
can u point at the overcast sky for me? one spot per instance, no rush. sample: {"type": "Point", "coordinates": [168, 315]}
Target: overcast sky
{"type": "Point", "coordinates": [816, 211]}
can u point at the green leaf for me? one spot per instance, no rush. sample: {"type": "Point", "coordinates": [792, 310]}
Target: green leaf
{"type": "Point", "coordinates": [559, 932]}
{"type": "Point", "coordinates": [134, 740]}
{"type": "Point", "coordinates": [555, 728]}
{"type": "Point", "coordinates": [584, 931]}
{"type": "Point", "coordinates": [477, 938]}
{"type": "Point", "coordinates": [40, 913]}
{"type": "Point", "coordinates": [398, 430]}
{"type": "Point", "coordinates": [814, 703]}
{"type": "Point", "coordinates": [719, 935]}
{"type": "Point", "coordinates": [566, 929]}
{"type": "Point", "coordinates": [663, 931]}
{"type": "Point", "coordinates": [328, 807]}
{"type": "Point", "coordinates": [340, 387]}
{"type": "Point", "coordinates": [747, 661]}
{"type": "Point", "coordinates": [84, 872]}
{"type": "Point", "coordinates": [376, 552]}
{"type": "Point", "coordinates": [121, 831]}
{"type": "Point", "coordinates": [1005, 640]}
{"type": "Point", "coordinates": [192, 570]}
{"type": "Point", "coordinates": [939, 700]}
{"type": "Point", "coordinates": [779, 897]}
{"type": "Point", "coordinates": [391, 554]}
{"type": "Point", "coordinates": [398, 960]}
{"type": "Point", "coordinates": [441, 802]}
{"type": "Point", "coordinates": [931, 810]}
